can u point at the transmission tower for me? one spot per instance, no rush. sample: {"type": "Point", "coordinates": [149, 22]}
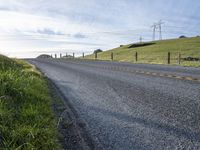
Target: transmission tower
{"type": "Point", "coordinates": [140, 39]}
{"type": "Point", "coordinates": [154, 26]}
{"type": "Point", "coordinates": [159, 27]}
{"type": "Point", "coordinates": [159, 24]}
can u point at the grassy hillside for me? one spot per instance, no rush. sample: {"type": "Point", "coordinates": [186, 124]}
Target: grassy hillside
{"type": "Point", "coordinates": [156, 52]}
{"type": "Point", "coordinates": [26, 118]}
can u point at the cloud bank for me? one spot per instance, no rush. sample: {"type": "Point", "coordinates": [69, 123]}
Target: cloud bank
{"type": "Point", "coordinates": [31, 27]}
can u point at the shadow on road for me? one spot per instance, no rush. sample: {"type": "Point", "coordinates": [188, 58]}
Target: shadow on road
{"type": "Point", "coordinates": [192, 136]}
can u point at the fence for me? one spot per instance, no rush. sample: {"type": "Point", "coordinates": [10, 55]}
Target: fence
{"type": "Point", "coordinates": [177, 58]}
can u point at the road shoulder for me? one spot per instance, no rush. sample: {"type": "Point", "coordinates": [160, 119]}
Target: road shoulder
{"type": "Point", "coordinates": [72, 132]}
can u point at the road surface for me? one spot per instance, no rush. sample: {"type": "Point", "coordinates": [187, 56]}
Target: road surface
{"type": "Point", "coordinates": [131, 106]}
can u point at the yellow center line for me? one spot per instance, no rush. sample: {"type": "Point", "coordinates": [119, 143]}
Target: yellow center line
{"type": "Point", "coordinates": [148, 73]}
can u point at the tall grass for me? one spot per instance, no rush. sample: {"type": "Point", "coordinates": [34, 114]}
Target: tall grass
{"type": "Point", "coordinates": [26, 118]}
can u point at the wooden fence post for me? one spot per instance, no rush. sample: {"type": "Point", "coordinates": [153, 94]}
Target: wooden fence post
{"type": "Point", "coordinates": [136, 56]}
{"type": "Point", "coordinates": [111, 56]}
{"type": "Point", "coordinates": [179, 58]}
{"type": "Point", "coordinates": [95, 55]}
{"type": "Point", "coordinates": [168, 58]}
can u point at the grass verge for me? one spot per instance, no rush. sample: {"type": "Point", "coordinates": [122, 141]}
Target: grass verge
{"type": "Point", "coordinates": [26, 117]}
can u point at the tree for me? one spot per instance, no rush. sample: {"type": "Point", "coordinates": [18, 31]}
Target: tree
{"type": "Point", "coordinates": [97, 51]}
{"type": "Point", "coordinates": [44, 56]}
{"type": "Point", "coordinates": [182, 36]}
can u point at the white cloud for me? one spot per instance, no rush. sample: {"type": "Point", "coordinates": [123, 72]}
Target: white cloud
{"type": "Point", "coordinates": [26, 32]}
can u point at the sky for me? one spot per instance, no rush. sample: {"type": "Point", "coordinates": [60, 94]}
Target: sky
{"type": "Point", "coordinates": [29, 28]}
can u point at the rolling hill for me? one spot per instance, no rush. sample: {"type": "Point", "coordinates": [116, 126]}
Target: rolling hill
{"type": "Point", "coordinates": [156, 52]}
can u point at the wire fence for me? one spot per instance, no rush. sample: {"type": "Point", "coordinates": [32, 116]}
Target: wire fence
{"type": "Point", "coordinates": [173, 58]}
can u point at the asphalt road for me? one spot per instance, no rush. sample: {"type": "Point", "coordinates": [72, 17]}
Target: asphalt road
{"type": "Point", "coordinates": [131, 106]}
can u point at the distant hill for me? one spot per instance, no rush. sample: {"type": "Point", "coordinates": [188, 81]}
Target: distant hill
{"type": "Point", "coordinates": [44, 56]}
{"type": "Point", "coordinates": [156, 52]}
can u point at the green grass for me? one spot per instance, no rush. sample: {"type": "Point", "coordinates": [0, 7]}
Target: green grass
{"type": "Point", "coordinates": [26, 118]}
{"type": "Point", "coordinates": [157, 53]}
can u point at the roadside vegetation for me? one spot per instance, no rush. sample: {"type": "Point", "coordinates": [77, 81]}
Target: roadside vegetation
{"type": "Point", "coordinates": [26, 117]}
{"type": "Point", "coordinates": [156, 52]}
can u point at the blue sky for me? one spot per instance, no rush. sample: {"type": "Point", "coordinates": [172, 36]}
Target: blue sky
{"type": "Point", "coordinates": [29, 28]}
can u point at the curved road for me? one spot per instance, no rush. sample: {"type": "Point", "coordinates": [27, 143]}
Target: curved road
{"type": "Point", "coordinates": [131, 106]}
